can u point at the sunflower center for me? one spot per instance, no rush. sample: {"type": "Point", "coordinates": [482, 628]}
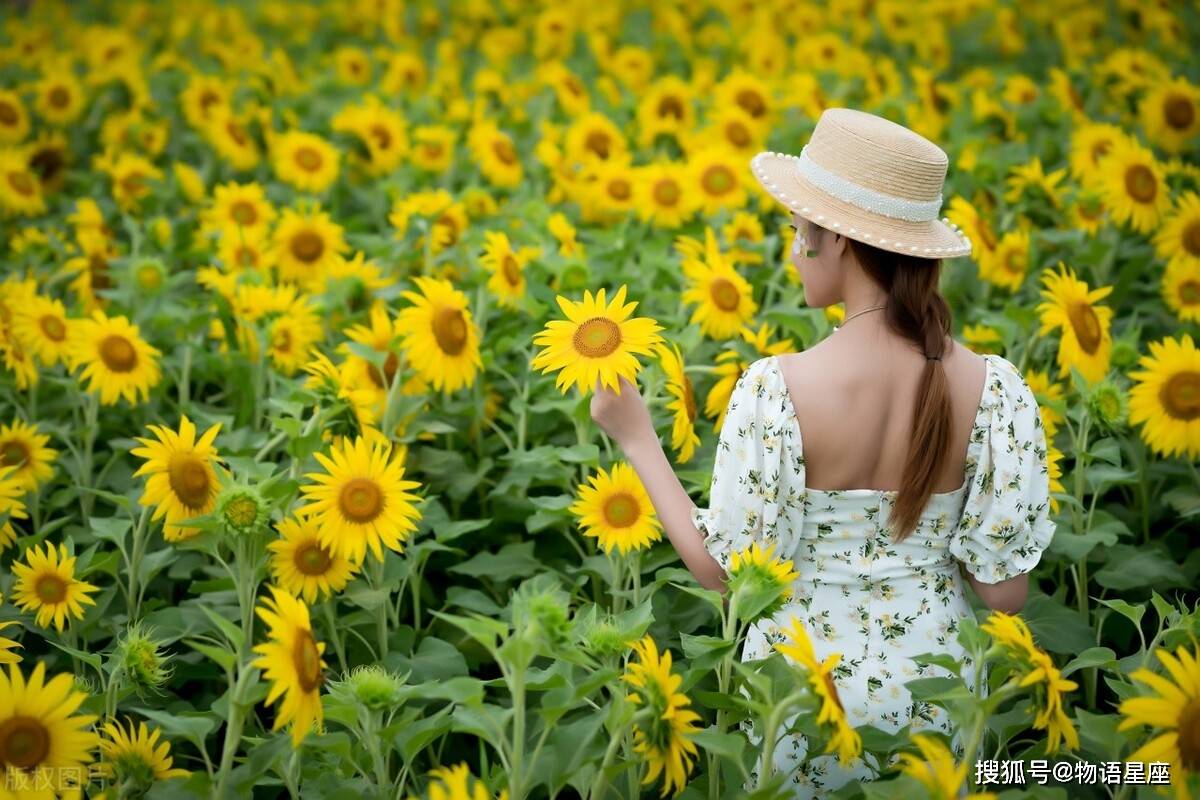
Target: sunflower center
{"type": "Point", "coordinates": [244, 213]}
{"type": "Point", "coordinates": [717, 180]}
{"type": "Point", "coordinates": [833, 692]}
{"type": "Point", "coordinates": [504, 151]}
{"type": "Point", "coordinates": [235, 132]}
{"type": "Point", "coordinates": [1191, 238]}
{"type": "Point", "coordinates": [308, 159]}
{"type": "Point", "coordinates": [1140, 183]}
{"type": "Point", "coordinates": [619, 189]}
{"type": "Point", "coordinates": [666, 192]}
{"type": "Point", "coordinates": [245, 257]}
{"type": "Point", "coordinates": [1189, 736]}
{"type": "Point", "coordinates": [51, 589]}
{"type": "Point", "coordinates": [598, 143]}
{"type": "Point", "coordinates": [621, 510]}
{"type": "Point", "coordinates": [47, 162]}
{"type": "Point", "coordinates": [1100, 149]}
{"type": "Point", "coordinates": [13, 454]}
{"type": "Point", "coordinates": [307, 661]}
{"type": "Point", "coordinates": [312, 559]}
{"type": "Point", "coordinates": [118, 353]}
{"type": "Point", "coordinates": [98, 273]}
{"type": "Point", "coordinates": [724, 294]}
{"type": "Point", "coordinates": [53, 327]}
{"type": "Point", "coordinates": [21, 182]}
{"type": "Point", "coordinates": [450, 330]}
{"type": "Point", "coordinates": [689, 398]}
{"type": "Point", "coordinates": [8, 114]}
{"type": "Point", "coordinates": [1086, 326]}
{"type": "Point", "coordinates": [307, 246]}
{"type": "Point", "coordinates": [384, 379]}
{"type": "Point", "coordinates": [597, 337]}
{"type": "Point", "coordinates": [512, 270]}
{"type": "Point", "coordinates": [1180, 396]}
{"type": "Point", "coordinates": [752, 102]}
{"type": "Point", "coordinates": [1189, 293]}
{"type": "Point", "coordinates": [1179, 112]}
{"type": "Point", "coordinates": [59, 97]}
{"type": "Point", "coordinates": [361, 500]}
{"type": "Point", "coordinates": [381, 136]}
{"type": "Point", "coordinates": [24, 742]}
{"type": "Point", "coordinates": [737, 135]}
{"type": "Point", "coordinates": [281, 341]}
{"type": "Point", "coordinates": [134, 183]}
{"type": "Point", "coordinates": [1014, 262]}
{"type": "Point", "coordinates": [432, 149]}
{"type": "Point", "coordinates": [670, 107]}
{"type": "Point", "coordinates": [188, 479]}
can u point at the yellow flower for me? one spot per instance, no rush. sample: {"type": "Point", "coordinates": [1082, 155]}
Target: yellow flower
{"type": "Point", "coordinates": [1090, 145]}
{"type": "Point", "coordinates": [494, 153]}
{"type": "Point", "coordinates": [1046, 391]}
{"type": "Point", "coordinates": [46, 584]}
{"type": "Point", "coordinates": [59, 96]}
{"type": "Point", "coordinates": [716, 179]}
{"type": "Point", "coordinates": [1165, 398]}
{"type": "Point", "coordinates": [1170, 114]}
{"type": "Point", "coordinates": [433, 147]}
{"type": "Point", "coordinates": [683, 403]}
{"type": "Point", "coordinates": [306, 245]}
{"type": "Point", "coordinates": [46, 745]}
{"type": "Point", "coordinates": [1029, 176]}
{"type": "Point", "coordinates": [116, 361]}
{"type": "Point", "coordinates": [226, 134]}
{"type": "Point", "coordinates": [1173, 710]}
{"type": "Point", "coordinates": [978, 230]}
{"type": "Point", "coordinates": [12, 489]}
{"type": "Point", "coordinates": [8, 645]}
{"type": "Point", "coordinates": [25, 450]}
{"type": "Point", "coordinates": [352, 65]}
{"type": "Point", "coordinates": [1178, 240]}
{"type": "Point", "coordinates": [304, 566]}
{"type": "Point", "coordinates": [304, 160]}
{"type": "Point", "coordinates": [130, 175]}
{"type": "Point", "coordinates": [598, 340]}
{"type": "Point", "coordinates": [291, 661]}
{"type": "Point", "coordinates": [440, 338]}
{"type": "Point", "coordinates": [238, 207]}
{"type": "Point", "coordinates": [134, 757]}
{"type": "Point", "coordinates": [457, 783]}
{"type": "Point", "coordinates": [1054, 472]}
{"type": "Point", "coordinates": [361, 500]}
{"type": "Point", "coordinates": [798, 646]}
{"type": "Point", "coordinates": [14, 119]}
{"type": "Point", "coordinates": [381, 132]}
{"type": "Point", "coordinates": [982, 338]}
{"type": "Point", "coordinates": [1133, 186]}
{"type": "Point", "coordinates": [664, 196]}
{"type": "Point", "coordinates": [182, 482]}
{"type": "Point", "coordinates": [191, 182]}
{"type": "Point", "coordinates": [724, 299]}
{"type": "Point", "coordinates": [20, 188]}
{"type": "Point", "coordinates": [762, 563]}
{"type": "Point", "coordinates": [665, 739]}
{"type": "Point", "coordinates": [615, 509]}
{"type": "Point", "coordinates": [564, 233]}
{"type": "Point", "coordinates": [1181, 289]}
{"type": "Point", "coordinates": [935, 769]}
{"type": "Point", "coordinates": [730, 366]}
{"type": "Point", "coordinates": [1085, 341]}
{"type": "Point", "coordinates": [507, 266]}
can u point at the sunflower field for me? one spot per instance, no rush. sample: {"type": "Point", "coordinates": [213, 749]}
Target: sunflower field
{"type": "Point", "coordinates": [302, 308]}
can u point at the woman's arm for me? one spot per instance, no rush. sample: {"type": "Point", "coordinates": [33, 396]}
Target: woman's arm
{"type": "Point", "coordinates": [627, 420]}
{"type": "Point", "coordinates": [1008, 595]}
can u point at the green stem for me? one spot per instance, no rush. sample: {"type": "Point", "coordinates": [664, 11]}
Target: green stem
{"type": "Point", "coordinates": [334, 634]}
{"type": "Point", "coordinates": [381, 611]}
{"type": "Point", "coordinates": [137, 551]}
{"type": "Point", "coordinates": [233, 730]}
{"type": "Point", "coordinates": [86, 498]}
{"type": "Point", "coordinates": [516, 787]}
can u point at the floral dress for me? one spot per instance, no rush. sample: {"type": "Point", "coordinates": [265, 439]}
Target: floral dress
{"type": "Point", "coordinates": [875, 601]}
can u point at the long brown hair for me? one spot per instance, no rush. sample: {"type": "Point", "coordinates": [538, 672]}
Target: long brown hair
{"type": "Point", "coordinates": [916, 310]}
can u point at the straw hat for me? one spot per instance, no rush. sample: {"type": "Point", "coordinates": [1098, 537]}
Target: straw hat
{"type": "Point", "coordinates": [869, 179]}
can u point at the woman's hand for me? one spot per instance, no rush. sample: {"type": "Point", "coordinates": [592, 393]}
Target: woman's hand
{"type": "Point", "coordinates": [622, 416]}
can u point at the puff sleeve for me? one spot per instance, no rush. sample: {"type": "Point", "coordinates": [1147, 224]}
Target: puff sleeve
{"type": "Point", "coordinates": [1005, 524]}
{"type": "Point", "coordinates": [743, 497]}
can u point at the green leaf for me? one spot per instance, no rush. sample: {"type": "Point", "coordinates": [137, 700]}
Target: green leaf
{"type": "Point", "coordinates": [1131, 612]}
{"type": "Point", "coordinates": [225, 659]}
{"type": "Point", "coordinates": [580, 454]}
{"type": "Point", "coordinates": [93, 660]}
{"type": "Point", "coordinates": [483, 630]}
{"type": "Point", "coordinates": [1092, 657]}
{"type": "Point", "coordinates": [112, 529]}
{"type": "Point", "coordinates": [1136, 567]}
{"type": "Point", "coordinates": [232, 632]}
{"type": "Point", "coordinates": [448, 531]}
{"type": "Point", "coordinates": [705, 652]}
{"type": "Point", "coordinates": [513, 561]}
{"type": "Point", "coordinates": [193, 726]}
{"type": "Point", "coordinates": [726, 745]}
{"type": "Point", "coordinates": [1057, 628]}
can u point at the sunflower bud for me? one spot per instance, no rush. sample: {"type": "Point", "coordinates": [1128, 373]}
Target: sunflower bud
{"type": "Point", "coordinates": [149, 275]}
{"type": "Point", "coordinates": [1108, 404]}
{"type": "Point", "coordinates": [375, 688]}
{"type": "Point", "coordinates": [242, 510]}
{"type": "Point", "coordinates": [759, 583]}
{"type": "Point", "coordinates": [605, 640]}
{"type": "Point", "coordinates": [141, 661]}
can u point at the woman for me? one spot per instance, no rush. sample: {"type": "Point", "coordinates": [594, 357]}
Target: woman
{"type": "Point", "coordinates": [889, 462]}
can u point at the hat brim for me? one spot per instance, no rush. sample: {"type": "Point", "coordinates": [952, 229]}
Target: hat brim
{"type": "Point", "coordinates": [779, 176]}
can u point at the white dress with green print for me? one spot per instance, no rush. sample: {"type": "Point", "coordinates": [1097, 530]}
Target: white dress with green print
{"type": "Point", "coordinates": [875, 602]}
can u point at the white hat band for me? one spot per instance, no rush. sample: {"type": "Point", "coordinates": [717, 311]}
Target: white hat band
{"type": "Point", "coordinates": [864, 198]}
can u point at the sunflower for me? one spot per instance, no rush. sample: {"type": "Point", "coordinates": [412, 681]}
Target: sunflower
{"type": "Point", "coordinates": [59, 96]}
{"type": "Point", "coordinates": [1178, 240]}
{"type": "Point", "coordinates": [11, 505]}
{"type": "Point", "coordinates": [231, 140]}
{"type": "Point", "coordinates": [1009, 261]}
{"type": "Point", "coordinates": [797, 646]}
{"type": "Point", "coordinates": [14, 119]}
{"type": "Point", "coordinates": [729, 368]}
{"type": "Point", "coordinates": [48, 156]}
{"type": "Point", "coordinates": [204, 98]}
{"type": "Point", "coordinates": [182, 483]}
{"type": "Point", "coordinates": [20, 188]}
{"type": "Point", "coordinates": [724, 299]}
{"type": "Point", "coordinates": [457, 783]}
{"type": "Point", "coordinates": [133, 757]}
{"type": "Point", "coordinates": [1165, 398]}
{"type": "Point", "coordinates": [306, 244]}
{"type": "Point", "coordinates": [1032, 180]}
{"type": "Point", "coordinates": [304, 566]}
{"type": "Point", "coordinates": [982, 339]}
{"type": "Point", "coordinates": [1133, 186]}
{"type": "Point", "coordinates": [978, 230]}
{"type": "Point", "coordinates": [43, 327]}
{"type": "Point", "coordinates": [433, 147]}
{"type": "Point", "coordinates": [761, 340]}
{"type": "Point", "coordinates": [292, 336]}
{"type": "Point", "coordinates": [716, 180]}
{"type": "Point", "coordinates": [598, 340]}
{"type": "Point", "coordinates": [130, 175]}
{"type": "Point", "coordinates": [663, 194]}
{"type": "Point", "coordinates": [665, 738]}
{"type": "Point", "coordinates": [935, 768]}
{"type": "Point", "coordinates": [381, 132]}
{"type": "Point", "coordinates": [352, 66]}
{"type": "Point", "coordinates": [305, 161]}
{"type": "Point", "coordinates": [1181, 290]}
{"type": "Point", "coordinates": [666, 108]}
{"type": "Point", "coordinates": [494, 153]}
{"type": "Point", "coordinates": [683, 403]}
{"type": "Point", "coordinates": [291, 660]}
{"type": "Point", "coordinates": [763, 573]}
{"type": "Point", "coordinates": [361, 500]}
{"type": "Point", "coordinates": [8, 645]}
{"type": "Point", "coordinates": [564, 233]}
{"type": "Point", "coordinates": [610, 189]}
{"type": "Point", "coordinates": [1170, 114]}
{"type": "Point", "coordinates": [1085, 341]}
{"type": "Point", "coordinates": [747, 92]}
{"type": "Point", "coordinates": [116, 361]}
{"type": "Point", "coordinates": [25, 450]}
{"type": "Point", "coordinates": [1054, 471]}
{"type": "Point", "coordinates": [1087, 211]}
{"type": "Point", "coordinates": [1173, 710]}
{"type": "Point", "coordinates": [615, 509]}
{"type": "Point", "coordinates": [1046, 391]}
{"type": "Point", "coordinates": [46, 583]}
{"type": "Point", "coordinates": [594, 137]}
{"type": "Point", "coordinates": [44, 745]}
{"type": "Point", "coordinates": [507, 265]}
{"type": "Point", "coordinates": [440, 339]}
{"type": "Point", "coordinates": [240, 207]}
{"type": "Point", "coordinates": [1090, 144]}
